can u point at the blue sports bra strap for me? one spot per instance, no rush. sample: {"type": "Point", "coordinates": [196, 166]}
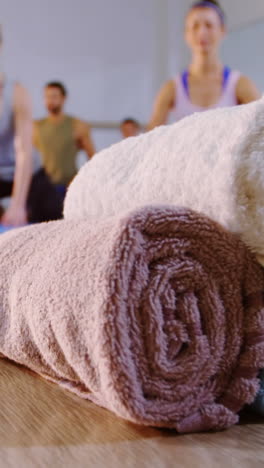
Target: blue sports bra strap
{"type": "Point", "coordinates": [226, 75]}
{"type": "Point", "coordinates": [185, 75]}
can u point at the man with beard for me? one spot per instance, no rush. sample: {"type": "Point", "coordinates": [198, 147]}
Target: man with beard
{"type": "Point", "coordinates": [59, 137]}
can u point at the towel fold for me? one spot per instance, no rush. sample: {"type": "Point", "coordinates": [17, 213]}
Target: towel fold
{"type": "Point", "coordinates": [211, 162]}
{"type": "Point", "coordinates": [157, 315]}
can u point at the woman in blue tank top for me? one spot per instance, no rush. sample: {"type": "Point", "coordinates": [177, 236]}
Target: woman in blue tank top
{"type": "Point", "coordinates": [206, 83]}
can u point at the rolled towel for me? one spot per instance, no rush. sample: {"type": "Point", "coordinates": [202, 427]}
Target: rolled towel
{"type": "Point", "coordinates": [211, 162]}
{"type": "Point", "coordinates": [157, 316]}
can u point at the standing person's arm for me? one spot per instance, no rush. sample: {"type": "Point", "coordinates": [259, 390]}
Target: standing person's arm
{"type": "Point", "coordinates": [35, 138]}
{"type": "Point", "coordinates": [16, 214]}
{"type": "Point", "coordinates": [246, 91]}
{"type": "Point", "coordinates": [84, 138]}
{"type": "Point", "coordinates": [163, 105]}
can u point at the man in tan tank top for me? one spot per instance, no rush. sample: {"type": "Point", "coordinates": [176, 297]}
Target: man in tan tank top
{"type": "Point", "coordinates": [59, 137]}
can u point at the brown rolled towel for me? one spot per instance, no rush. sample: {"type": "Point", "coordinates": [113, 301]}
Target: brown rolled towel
{"type": "Point", "coordinates": [156, 315]}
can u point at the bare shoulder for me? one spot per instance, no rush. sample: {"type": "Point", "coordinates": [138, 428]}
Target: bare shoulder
{"type": "Point", "coordinates": [78, 123]}
{"type": "Point", "coordinates": [81, 126]}
{"type": "Point", "coordinates": [246, 90]}
{"type": "Point", "coordinates": [38, 122]}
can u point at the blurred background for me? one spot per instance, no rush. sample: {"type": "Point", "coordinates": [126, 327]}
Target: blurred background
{"type": "Point", "coordinates": [114, 55]}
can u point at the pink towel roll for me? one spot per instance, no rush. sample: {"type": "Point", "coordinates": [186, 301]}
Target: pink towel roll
{"type": "Point", "coordinates": [157, 316]}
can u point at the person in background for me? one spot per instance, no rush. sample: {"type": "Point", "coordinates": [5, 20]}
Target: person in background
{"type": "Point", "coordinates": [15, 150]}
{"type": "Point", "coordinates": [206, 83]}
{"type": "Point", "coordinates": [21, 177]}
{"type": "Point", "coordinates": [59, 137]}
{"type": "Point", "coordinates": [129, 127]}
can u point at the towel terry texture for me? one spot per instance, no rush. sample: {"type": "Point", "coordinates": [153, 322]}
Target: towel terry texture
{"type": "Point", "coordinates": [157, 315]}
{"type": "Point", "coordinates": [210, 162]}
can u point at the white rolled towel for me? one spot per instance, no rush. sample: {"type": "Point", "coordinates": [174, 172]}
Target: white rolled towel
{"type": "Point", "coordinates": [211, 162]}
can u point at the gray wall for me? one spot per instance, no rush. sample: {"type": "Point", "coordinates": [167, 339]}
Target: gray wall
{"type": "Point", "coordinates": [243, 50]}
{"type": "Point", "coordinates": [113, 55]}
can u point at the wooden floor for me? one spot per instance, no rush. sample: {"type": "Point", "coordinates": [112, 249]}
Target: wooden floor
{"type": "Point", "coordinates": [44, 426]}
